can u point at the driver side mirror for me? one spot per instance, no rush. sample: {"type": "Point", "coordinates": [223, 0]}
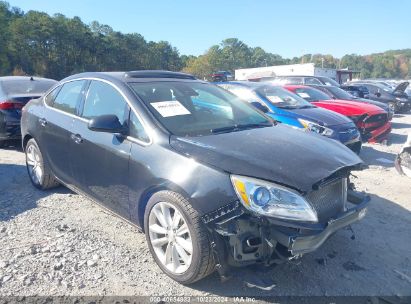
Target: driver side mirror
{"type": "Point", "coordinates": [378, 94]}
{"type": "Point", "coordinates": [260, 106]}
{"type": "Point", "coordinates": [108, 124]}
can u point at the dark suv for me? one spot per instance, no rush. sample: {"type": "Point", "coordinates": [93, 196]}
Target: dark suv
{"type": "Point", "coordinates": [15, 92]}
{"type": "Point", "coordinates": [211, 181]}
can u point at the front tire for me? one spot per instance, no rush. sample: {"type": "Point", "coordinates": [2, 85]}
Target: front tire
{"type": "Point", "coordinates": [38, 170]}
{"type": "Point", "coordinates": [177, 238]}
{"type": "Point", "coordinates": [393, 107]}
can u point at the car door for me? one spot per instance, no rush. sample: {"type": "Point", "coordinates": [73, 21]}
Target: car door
{"type": "Point", "coordinates": [56, 126]}
{"type": "Point", "coordinates": [100, 159]}
{"type": "Point", "coordinates": [375, 93]}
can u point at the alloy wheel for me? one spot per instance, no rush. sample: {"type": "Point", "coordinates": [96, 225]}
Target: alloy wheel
{"type": "Point", "coordinates": [170, 237]}
{"type": "Point", "coordinates": [34, 164]}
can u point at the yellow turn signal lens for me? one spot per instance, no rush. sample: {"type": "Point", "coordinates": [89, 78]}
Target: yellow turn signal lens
{"type": "Point", "coordinates": [240, 188]}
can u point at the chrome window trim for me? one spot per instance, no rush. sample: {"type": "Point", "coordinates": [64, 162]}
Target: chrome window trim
{"type": "Point", "coordinates": [130, 138]}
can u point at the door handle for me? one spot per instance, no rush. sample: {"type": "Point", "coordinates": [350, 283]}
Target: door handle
{"type": "Point", "coordinates": [43, 122]}
{"type": "Point", "coordinates": [76, 138]}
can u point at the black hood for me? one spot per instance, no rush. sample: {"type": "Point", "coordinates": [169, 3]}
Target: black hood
{"type": "Point", "coordinates": [322, 116]}
{"type": "Point", "coordinates": [280, 154]}
{"type": "Point", "coordinates": [401, 87]}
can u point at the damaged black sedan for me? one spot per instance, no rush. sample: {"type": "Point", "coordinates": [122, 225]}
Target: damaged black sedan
{"type": "Point", "coordinates": [212, 181]}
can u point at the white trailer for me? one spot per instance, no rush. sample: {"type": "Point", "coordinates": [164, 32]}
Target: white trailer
{"type": "Point", "coordinates": [305, 69]}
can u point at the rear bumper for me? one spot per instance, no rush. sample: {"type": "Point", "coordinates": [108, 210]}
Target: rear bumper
{"type": "Point", "coordinates": [10, 131]}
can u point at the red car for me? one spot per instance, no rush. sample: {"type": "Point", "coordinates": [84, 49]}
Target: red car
{"type": "Point", "coordinates": [372, 121]}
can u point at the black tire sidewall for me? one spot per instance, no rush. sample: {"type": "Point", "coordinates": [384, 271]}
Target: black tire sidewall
{"type": "Point", "coordinates": [194, 268]}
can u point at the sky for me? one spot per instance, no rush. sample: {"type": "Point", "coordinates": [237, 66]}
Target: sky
{"type": "Point", "coordinates": [288, 27]}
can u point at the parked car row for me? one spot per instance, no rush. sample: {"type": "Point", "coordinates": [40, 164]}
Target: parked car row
{"type": "Point", "coordinates": [369, 120]}
{"type": "Point", "coordinates": [391, 93]}
{"type": "Point", "coordinates": [212, 181]}
{"type": "Point", "coordinates": [394, 96]}
{"type": "Point", "coordinates": [372, 121]}
{"type": "Point", "coordinates": [293, 110]}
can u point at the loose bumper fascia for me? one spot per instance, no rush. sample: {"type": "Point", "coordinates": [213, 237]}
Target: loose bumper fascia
{"type": "Point", "coordinates": [296, 237]}
{"type": "Point", "coordinates": [379, 133]}
{"type": "Point", "coordinates": [304, 243]}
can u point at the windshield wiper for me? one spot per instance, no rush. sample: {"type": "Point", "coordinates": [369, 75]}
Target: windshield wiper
{"type": "Point", "coordinates": [287, 107]}
{"type": "Point", "coordinates": [241, 127]}
{"type": "Point", "coordinates": [306, 107]}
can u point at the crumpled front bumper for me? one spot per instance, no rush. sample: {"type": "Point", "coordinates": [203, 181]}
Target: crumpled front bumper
{"type": "Point", "coordinates": [240, 239]}
{"type": "Point", "coordinates": [299, 244]}
{"type": "Point", "coordinates": [378, 134]}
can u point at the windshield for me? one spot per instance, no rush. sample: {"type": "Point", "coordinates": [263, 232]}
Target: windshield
{"type": "Point", "coordinates": [284, 80]}
{"type": "Point", "coordinates": [340, 93]}
{"type": "Point", "coordinates": [16, 87]}
{"type": "Point", "coordinates": [311, 94]}
{"type": "Point", "coordinates": [195, 109]}
{"type": "Point", "coordinates": [282, 98]}
{"type": "Point", "coordinates": [329, 81]}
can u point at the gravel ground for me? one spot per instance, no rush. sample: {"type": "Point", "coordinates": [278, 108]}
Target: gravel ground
{"type": "Point", "coordinates": [59, 243]}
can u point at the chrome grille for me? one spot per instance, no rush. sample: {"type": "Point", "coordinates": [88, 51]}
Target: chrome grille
{"type": "Point", "coordinates": [330, 200]}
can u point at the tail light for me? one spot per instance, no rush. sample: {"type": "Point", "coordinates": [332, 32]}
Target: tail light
{"type": "Point", "coordinates": [9, 105]}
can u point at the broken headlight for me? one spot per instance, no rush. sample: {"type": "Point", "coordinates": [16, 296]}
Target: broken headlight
{"type": "Point", "coordinates": [272, 200]}
{"type": "Point", "coordinates": [316, 128]}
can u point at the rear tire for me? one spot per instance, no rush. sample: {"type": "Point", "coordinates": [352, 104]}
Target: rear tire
{"type": "Point", "coordinates": [38, 170]}
{"type": "Point", "coordinates": [192, 266]}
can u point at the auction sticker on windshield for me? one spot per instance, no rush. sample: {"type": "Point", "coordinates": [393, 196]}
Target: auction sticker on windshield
{"type": "Point", "coordinates": [303, 95]}
{"type": "Point", "coordinates": [170, 108]}
{"type": "Point", "coordinates": [275, 99]}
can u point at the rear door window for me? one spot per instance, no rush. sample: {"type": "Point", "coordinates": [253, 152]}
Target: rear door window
{"type": "Point", "coordinates": [69, 96]}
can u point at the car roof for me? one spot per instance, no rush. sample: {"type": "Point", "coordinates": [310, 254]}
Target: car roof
{"type": "Point", "coordinates": [297, 86]}
{"type": "Point", "coordinates": [321, 86]}
{"type": "Point", "coordinates": [362, 83]}
{"type": "Point", "coordinates": [136, 76]}
{"type": "Point", "coordinates": [298, 76]}
{"type": "Point", "coordinates": [248, 84]}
